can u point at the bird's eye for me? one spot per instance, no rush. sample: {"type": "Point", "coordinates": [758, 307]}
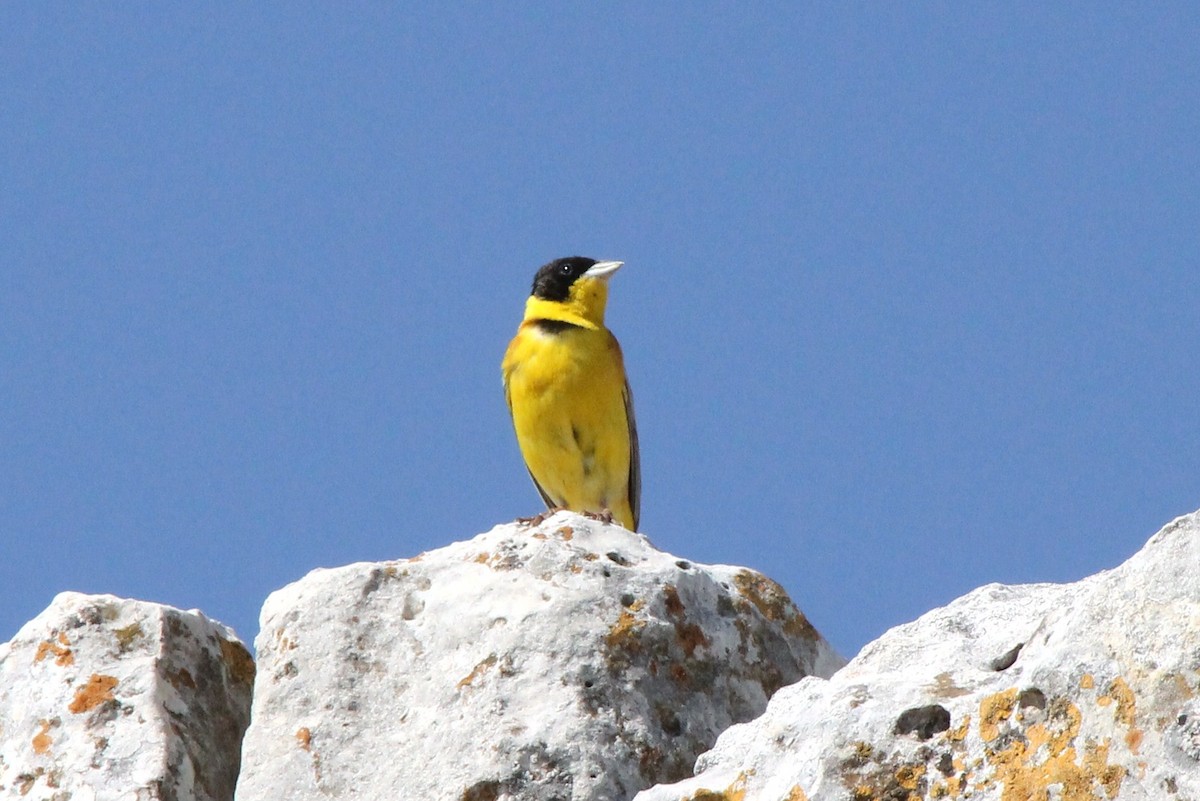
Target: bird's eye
{"type": "Point", "coordinates": [565, 269]}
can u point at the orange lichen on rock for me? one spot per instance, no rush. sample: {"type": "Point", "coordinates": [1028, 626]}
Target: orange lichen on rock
{"type": "Point", "coordinates": [1047, 757]}
{"type": "Point", "coordinates": [773, 602]}
{"type": "Point", "coordinates": [91, 695]}
{"type": "Point", "coordinates": [42, 740]}
{"type": "Point", "coordinates": [959, 733]}
{"type": "Point", "coordinates": [477, 671]}
{"type": "Point", "coordinates": [304, 737]}
{"type": "Point", "coordinates": [238, 660]}
{"type": "Point", "coordinates": [993, 710]}
{"type": "Point", "coordinates": [1121, 692]}
{"type": "Point", "coordinates": [63, 657]}
{"type": "Point", "coordinates": [624, 629]}
{"type": "Point", "coordinates": [909, 776]}
{"type": "Point", "coordinates": [736, 791]}
{"type": "Point", "coordinates": [127, 635]}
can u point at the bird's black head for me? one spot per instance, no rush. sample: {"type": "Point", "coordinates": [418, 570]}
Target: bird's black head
{"type": "Point", "coordinates": [553, 281]}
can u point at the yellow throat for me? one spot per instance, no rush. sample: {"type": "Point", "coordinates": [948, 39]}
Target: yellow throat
{"type": "Point", "coordinates": [584, 305]}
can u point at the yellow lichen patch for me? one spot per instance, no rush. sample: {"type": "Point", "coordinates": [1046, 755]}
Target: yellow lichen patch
{"type": "Point", "coordinates": [796, 794]}
{"type": "Point", "coordinates": [773, 602]}
{"type": "Point", "coordinates": [1046, 757]}
{"type": "Point", "coordinates": [42, 740]}
{"type": "Point", "coordinates": [951, 787]}
{"type": "Point", "coordinates": [98, 690]}
{"type": "Point", "coordinates": [566, 532]}
{"type": "Point", "coordinates": [623, 630]}
{"type": "Point", "coordinates": [127, 634]}
{"type": "Point", "coordinates": [1126, 702]}
{"type": "Point", "coordinates": [736, 791]}
{"type": "Point", "coordinates": [1087, 682]}
{"type": "Point", "coordinates": [477, 671]}
{"type": "Point", "coordinates": [63, 657]}
{"type": "Point", "coordinates": [1095, 763]}
{"type": "Point", "coordinates": [909, 776]}
{"type": "Point", "coordinates": [482, 558]}
{"type": "Point", "coordinates": [238, 660]}
{"type": "Point", "coordinates": [1120, 693]}
{"type": "Point", "coordinates": [994, 710]}
{"type": "Point", "coordinates": [959, 733]}
{"type": "Point", "coordinates": [1059, 731]}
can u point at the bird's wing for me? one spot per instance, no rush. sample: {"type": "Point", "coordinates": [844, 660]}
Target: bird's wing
{"type": "Point", "coordinates": [545, 498]}
{"type": "Point", "coordinates": [635, 462]}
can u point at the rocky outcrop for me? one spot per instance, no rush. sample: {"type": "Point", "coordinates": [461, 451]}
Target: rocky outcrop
{"type": "Point", "coordinates": [1028, 693]}
{"type": "Point", "coordinates": [105, 698]}
{"type": "Point", "coordinates": [570, 660]}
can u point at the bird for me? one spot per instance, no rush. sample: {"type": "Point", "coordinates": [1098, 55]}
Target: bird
{"type": "Point", "coordinates": [569, 397]}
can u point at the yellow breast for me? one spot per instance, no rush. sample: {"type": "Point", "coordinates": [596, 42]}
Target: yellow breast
{"type": "Point", "coordinates": [565, 385]}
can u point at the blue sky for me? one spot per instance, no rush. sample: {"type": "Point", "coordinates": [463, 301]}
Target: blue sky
{"type": "Point", "coordinates": [910, 304]}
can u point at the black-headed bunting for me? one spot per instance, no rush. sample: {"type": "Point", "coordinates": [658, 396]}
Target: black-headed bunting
{"type": "Point", "coordinates": [565, 383]}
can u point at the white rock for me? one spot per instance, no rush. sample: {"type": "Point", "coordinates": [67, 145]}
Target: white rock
{"type": "Point", "coordinates": [567, 661]}
{"type": "Point", "coordinates": [105, 698]}
{"type": "Point", "coordinates": [1029, 693]}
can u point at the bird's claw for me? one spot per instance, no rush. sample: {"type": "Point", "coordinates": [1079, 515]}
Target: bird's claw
{"type": "Point", "coordinates": [604, 516]}
{"type": "Point", "coordinates": [539, 518]}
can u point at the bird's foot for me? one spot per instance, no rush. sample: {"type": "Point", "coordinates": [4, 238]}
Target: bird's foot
{"type": "Point", "coordinates": [604, 516]}
{"type": "Point", "coordinates": [540, 518]}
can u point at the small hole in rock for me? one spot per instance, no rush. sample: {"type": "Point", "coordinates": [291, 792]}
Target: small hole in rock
{"type": "Point", "coordinates": [1032, 697]}
{"type": "Point", "coordinates": [683, 565]}
{"type": "Point", "coordinates": [1008, 658]}
{"type": "Point", "coordinates": [923, 721]}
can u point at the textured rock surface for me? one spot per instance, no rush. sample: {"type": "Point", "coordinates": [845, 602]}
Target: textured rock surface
{"type": "Point", "coordinates": [1029, 693]}
{"type": "Point", "coordinates": [566, 661]}
{"type": "Point", "coordinates": [105, 698]}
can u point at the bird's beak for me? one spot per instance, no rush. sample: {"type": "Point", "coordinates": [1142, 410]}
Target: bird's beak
{"type": "Point", "coordinates": [603, 269]}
